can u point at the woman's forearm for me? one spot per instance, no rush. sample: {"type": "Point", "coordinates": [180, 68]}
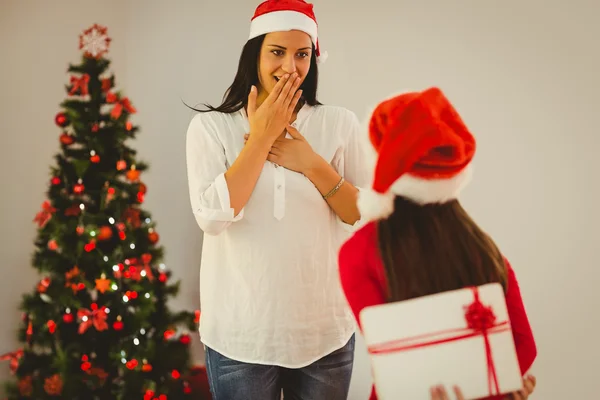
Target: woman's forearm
{"type": "Point", "coordinates": [243, 174]}
{"type": "Point", "coordinates": [343, 202]}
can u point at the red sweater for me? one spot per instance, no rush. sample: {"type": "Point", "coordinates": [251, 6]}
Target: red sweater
{"type": "Point", "coordinates": [363, 279]}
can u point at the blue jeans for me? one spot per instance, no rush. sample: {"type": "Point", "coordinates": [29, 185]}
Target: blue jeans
{"type": "Point", "coordinates": [325, 379]}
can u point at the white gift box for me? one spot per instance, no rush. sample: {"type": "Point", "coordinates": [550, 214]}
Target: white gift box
{"type": "Point", "coordinates": [418, 343]}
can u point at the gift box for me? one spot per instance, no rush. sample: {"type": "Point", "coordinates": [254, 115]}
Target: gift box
{"type": "Point", "coordinates": [461, 337]}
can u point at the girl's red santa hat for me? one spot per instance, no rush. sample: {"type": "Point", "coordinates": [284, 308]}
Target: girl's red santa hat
{"type": "Point", "coordinates": [286, 15]}
{"type": "Point", "coordinates": [424, 152]}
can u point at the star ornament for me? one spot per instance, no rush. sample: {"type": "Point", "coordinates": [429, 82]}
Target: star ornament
{"type": "Point", "coordinates": [102, 285]}
{"type": "Point", "coordinates": [94, 41]}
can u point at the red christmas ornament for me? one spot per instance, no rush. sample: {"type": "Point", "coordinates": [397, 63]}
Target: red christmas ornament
{"type": "Point", "coordinates": [68, 318]}
{"type": "Point", "coordinates": [146, 367]}
{"type": "Point", "coordinates": [53, 385]}
{"type": "Point", "coordinates": [106, 84]}
{"type": "Point", "coordinates": [43, 285]}
{"type": "Point", "coordinates": [153, 237]}
{"type": "Point", "coordinates": [175, 374]}
{"type": "Point", "coordinates": [66, 139]}
{"type": "Point", "coordinates": [95, 158]}
{"type": "Point", "coordinates": [55, 180]}
{"type": "Point", "coordinates": [104, 233]}
{"type": "Point", "coordinates": [51, 326]}
{"type": "Point", "coordinates": [80, 84]}
{"type": "Point", "coordinates": [80, 229]}
{"type": "Point", "coordinates": [61, 119]}
{"type": "Point", "coordinates": [169, 333]}
{"type": "Point", "coordinates": [118, 325]}
{"type": "Point", "coordinates": [78, 188]}
{"type": "Point", "coordinates": [133, 174]}
{"type": "Point", "coordinates": [185, 339]}
{"type": "Point", "coordinates": [90, 246]}
{"type": "Point", "coordinates": [121, 165]}
{"type": "Point", "coordinates": [131, 364]}
{"type": "Point", "coordinates": [86, 365]}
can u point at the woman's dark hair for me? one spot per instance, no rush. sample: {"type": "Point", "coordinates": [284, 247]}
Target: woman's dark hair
{"type": "Point", "coordinates": [433, 248]}
{"type": "Point", "coordinates": [236, 96]}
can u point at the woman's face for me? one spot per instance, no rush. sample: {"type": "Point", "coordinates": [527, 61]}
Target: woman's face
{"type": "Point", "coordinates": [283, 53]}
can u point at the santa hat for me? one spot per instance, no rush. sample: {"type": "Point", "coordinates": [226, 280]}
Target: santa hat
{"type": "Point", "coordinates": [424, 152]}
{"type": "Point", "coordinates": [286, 15]}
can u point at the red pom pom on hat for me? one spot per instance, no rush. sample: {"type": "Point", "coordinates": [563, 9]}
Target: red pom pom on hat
{"type": "Point", "coordinates": [424, 152]}
{"type": "Point", "coordinates": [286, 15]}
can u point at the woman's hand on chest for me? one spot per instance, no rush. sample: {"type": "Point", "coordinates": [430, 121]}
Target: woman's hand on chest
{"type": "Point", "coordinates": [295, 154]}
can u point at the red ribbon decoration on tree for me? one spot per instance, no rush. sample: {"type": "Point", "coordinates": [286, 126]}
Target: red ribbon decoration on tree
{"type": "Point", "coordinates": [97, 318]}
{"type": "Point", "coordinates": [80, 84]}
{"type": "Point", "coordinates": [13, 357]}
{"type": "Point", "coordinates": [44, 216]}
{"type": "Point", "coordinates": [481, 321]}
{"type": "Point", "coordinates": [121, 104]}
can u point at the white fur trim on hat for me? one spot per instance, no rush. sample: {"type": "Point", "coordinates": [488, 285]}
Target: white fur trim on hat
{"type": "Point", "coordinates": [322, 57]}
{"type": "Point", "coordinates": [373, 206]}
{"type": "Point", "coordinates": [429, 191]}
{"type": "Point", "coordinates": [278, 21]}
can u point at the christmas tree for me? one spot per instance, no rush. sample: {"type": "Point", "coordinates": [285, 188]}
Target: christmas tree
{"type": "Point", "coordinates": [97, 325]}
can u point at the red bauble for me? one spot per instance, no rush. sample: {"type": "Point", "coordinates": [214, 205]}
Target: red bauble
{"type": "Point", "coordinates": [185, 339]}
{"type": "Point", "coordinates": [133, 175]}
{"type": "Point", "coordinates": [78, 188]}
{"type": "Point", "coordinates": [55, 180]}
{"type": "Point", "coordinates": [104, 233]}
{"type": "Point", "coordinates": [95, 158]}
{"type": "Point", "coordinates": [61, 119]}
{"type": "Point", "coordinates": [118, 325]}
{"type": "Point", "coordinates": [153, 237]}
{"type": "Point", "coordinates": [68, 318]}
{"type": "Point", "coordinates": [66, 139]}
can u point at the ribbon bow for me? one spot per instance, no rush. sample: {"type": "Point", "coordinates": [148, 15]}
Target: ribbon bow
{"type": "Point", "coordinates": [481, 321]}
{"type": "Point", "coordinates": [88, 318]}
{"type": "Point", "coordinates": [44, 216]}
{"type": "Point", "coordinates": [14, 358]}
{"type": "Point", "coordinates": [121, 104]}
{"type": "Point", "coordinates": [80, 84]}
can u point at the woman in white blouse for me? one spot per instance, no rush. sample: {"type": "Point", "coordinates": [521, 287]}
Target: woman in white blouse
{"type": "Point", "coordinates": [273, 177]}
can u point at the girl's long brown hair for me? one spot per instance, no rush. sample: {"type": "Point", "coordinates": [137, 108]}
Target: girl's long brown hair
{"type": "Point", "coordinates": [433, 248]}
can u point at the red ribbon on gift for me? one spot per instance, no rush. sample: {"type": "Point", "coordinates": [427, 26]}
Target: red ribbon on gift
{"type": "Point", "coordinates": [97, 318]}
{"type": "Point", "coordinates": [481, 321]}
{"type": "Point", "coordinates": [80, 84]}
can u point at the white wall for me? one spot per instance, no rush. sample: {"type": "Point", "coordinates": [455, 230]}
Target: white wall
{"type": "Point", "coordinates": [523, 75]}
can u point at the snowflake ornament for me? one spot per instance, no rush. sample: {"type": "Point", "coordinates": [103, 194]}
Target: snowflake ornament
{"type": "Point", "coordinates": [94, 41]}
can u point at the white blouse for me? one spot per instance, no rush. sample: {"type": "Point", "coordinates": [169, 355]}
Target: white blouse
{"type": "Point", "coordinates": [269, 286]}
